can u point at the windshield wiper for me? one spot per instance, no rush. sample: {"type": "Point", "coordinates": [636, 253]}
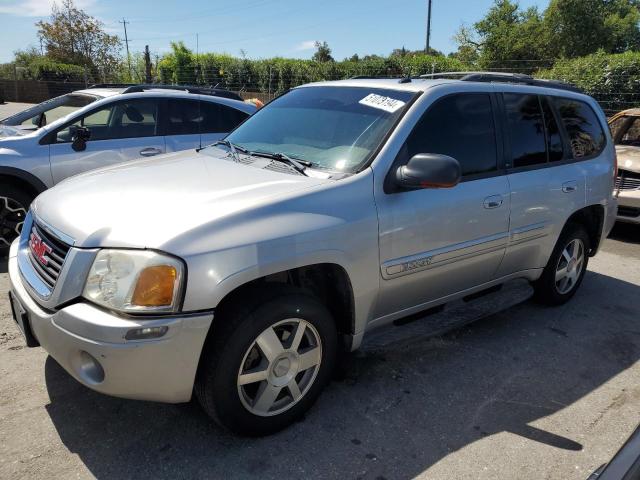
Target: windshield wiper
{"type": "Point", "coordinates": [298, 165]}
{"type": "Point", "coordinates": [232, 147]}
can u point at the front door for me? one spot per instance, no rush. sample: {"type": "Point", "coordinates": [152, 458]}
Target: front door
{"type": "Point", "coordinates": [120, 131]}
{"type": "Point", "coordinates": [438, 242]}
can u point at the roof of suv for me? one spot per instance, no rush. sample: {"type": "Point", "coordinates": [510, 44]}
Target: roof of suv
{"type": "Point", "coordinates": [100, 92]}
{"type": "Point", "coordinates": [421, 84]}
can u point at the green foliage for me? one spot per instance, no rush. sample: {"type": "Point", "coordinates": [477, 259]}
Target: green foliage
{"type": "Point", "coordinates": [613, 79]}
{"type": "Point", "coordinates": [323, 53]}
{"type": "Point", "coordinates": [523, 40]}
{"type": "Point", "coordinates": [276, 75]}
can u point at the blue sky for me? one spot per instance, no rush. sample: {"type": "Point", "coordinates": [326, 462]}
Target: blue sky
{"type": "Point", "coordinates": [262, 28]}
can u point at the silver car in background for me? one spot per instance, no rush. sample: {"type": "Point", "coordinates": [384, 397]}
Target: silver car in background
{"type": "Point", "coordinates": [102, 126]}
{"type": "Point", "coordinates": [240, 270]}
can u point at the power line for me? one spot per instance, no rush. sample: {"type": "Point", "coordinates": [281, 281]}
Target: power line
{"type": "Point", "coordinates": [126, 41]}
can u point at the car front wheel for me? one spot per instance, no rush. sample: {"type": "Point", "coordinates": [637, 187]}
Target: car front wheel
{"type": "Point", "coordinates": [14, 204]}
{"type": "Point", "coordinates": [268, 362]}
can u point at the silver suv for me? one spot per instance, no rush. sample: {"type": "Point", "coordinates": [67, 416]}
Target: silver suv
{"type": "Point", "coordinates": [241, 270]}
{"type": "Point", "coordinates": [103, 126]}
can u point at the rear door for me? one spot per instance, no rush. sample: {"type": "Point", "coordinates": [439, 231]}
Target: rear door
{"type": "Point", "coordinates": [547, 180]}
{"type": "Point", "coordinates": [120, 131]}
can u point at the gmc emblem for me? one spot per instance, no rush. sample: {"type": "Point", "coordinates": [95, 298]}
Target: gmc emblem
{"type": "Point", "coordinates": [39, 249]}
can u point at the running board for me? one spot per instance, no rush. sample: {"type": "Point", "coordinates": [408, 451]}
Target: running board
{"type": "Point", "coordinates": [439, 320]}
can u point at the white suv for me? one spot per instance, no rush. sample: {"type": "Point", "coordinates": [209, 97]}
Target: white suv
{"type": "Point", "coordinates": [101, 126]}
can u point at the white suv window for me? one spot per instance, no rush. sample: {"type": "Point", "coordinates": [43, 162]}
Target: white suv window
{"type": "Point", "coordinates": [130, 119]}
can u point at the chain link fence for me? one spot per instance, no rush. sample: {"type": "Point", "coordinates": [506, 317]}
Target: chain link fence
{"type": "Point", "coordinates": [268, 84]}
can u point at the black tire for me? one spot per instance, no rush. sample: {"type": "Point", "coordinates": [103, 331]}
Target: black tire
{"type": "Point", "coordinates": [547, 291]}
{"type": "Point", "coordinates": [11, 198]}
{"type": "Point", "coordinates": [233, 335]}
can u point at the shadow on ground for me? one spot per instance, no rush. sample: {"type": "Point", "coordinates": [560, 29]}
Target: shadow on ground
{"type": "Point", "coordinates": [626, 232]}
{"type": "Point", "coordinates": [397, 411]}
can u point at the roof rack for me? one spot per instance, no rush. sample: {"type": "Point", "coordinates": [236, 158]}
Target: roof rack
{"type": "Point", "coordinates": [499, 77]}
{"type": "Point", "coordinates": [199, 90]}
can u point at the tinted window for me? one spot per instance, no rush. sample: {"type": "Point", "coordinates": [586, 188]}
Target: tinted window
{"type": "Point", "coordinates": [555, 149]}
{"type": "Point", "coordinates": [131, 119]}
{"type": "Point", "coordinates": [526, 129]}
{"type": "Point", "coordinates": [583, 128]}
{"type": "Point", "coordinates": [337, 128]}
{"type": "Point", "coordinates": [460, 126]}
{"type": "Point", "coordinates": [191, 117]}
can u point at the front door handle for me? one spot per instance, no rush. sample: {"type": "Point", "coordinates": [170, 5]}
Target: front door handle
{"type": "Point", "coordinates": [150, 152]}
{"type": "Point", "coordinates": [568, 187]}
{"type": "Point", "coordinates": [494, 201]}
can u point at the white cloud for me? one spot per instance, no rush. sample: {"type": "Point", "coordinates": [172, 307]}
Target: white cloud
{"type": "Point", "coordinates": [306, 45]}
{"type": "Point", "coordinates": [35, 8]}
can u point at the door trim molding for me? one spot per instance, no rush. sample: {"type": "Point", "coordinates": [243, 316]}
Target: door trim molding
{"type": "Point", "coordinates": [443, 256]}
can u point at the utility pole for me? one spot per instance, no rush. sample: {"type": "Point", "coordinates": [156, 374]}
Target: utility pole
{"type": "Point", "coordinates": [147, 64]}
{"type": "Point", "coordinates": [126, 41]}
{"type": "Point", "coordinates": [426, 50]}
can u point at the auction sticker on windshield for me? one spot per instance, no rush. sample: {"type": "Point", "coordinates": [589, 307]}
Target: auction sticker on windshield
{"type": "Point", "coordinates": [387, 104]}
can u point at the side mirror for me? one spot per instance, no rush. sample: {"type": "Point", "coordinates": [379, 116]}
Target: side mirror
{"type": "Point", "coordinates": [429, 170]}
{"type": "Point", "coordinates": [79, 138]}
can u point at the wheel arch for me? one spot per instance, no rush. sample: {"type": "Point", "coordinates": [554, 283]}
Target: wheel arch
{"type": "Point", "coordinates": [592, 218]}
{"type": "Point", "coordinates": [328, 282]}
{"type": "Point", "coordinates": [24, 180]}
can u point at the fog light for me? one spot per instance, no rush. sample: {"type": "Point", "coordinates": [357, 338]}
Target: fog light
{"type": "Point", "coordinates": [90, 369]}
{"type": "Point", "coordinates": [146, 333]}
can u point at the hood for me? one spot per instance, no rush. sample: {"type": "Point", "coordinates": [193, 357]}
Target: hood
{"type": "Point", "coordinates": [628, 158]}
{"type": "Point", "coordinates": [145, 204]}
{"type": "Point", "coordinates": [9, 131]}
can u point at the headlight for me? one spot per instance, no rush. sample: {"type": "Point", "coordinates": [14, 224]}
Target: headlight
{"type": "Point", "coordinates": [135, 281]}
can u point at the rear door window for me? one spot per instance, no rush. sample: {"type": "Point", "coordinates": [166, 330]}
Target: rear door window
{"type": "Point", "coordinates": [555, 149]}
{"type": "Point", "coordinates": [586, 136]}
{"type": "Point", "coordinates": [460, 126]}
{"type": "Point", "coordinates": [526, 129]}
{"type": "Point", "coordinates": [187, 117]}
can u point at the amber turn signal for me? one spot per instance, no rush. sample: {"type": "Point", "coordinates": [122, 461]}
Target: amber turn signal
{"type": "Point", "coordinates": [155, 287]}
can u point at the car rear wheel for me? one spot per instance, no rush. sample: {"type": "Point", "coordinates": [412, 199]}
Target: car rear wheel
{"type": "Point", "coordinates": [268, 362]}
{"type": "Point", "coordinates": [14, 204]}
{"type": "Point", "coordinates": [566, 268]}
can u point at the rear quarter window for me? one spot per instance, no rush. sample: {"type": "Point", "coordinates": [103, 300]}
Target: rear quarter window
{"type": "Point", "coordinates": [585, 133]}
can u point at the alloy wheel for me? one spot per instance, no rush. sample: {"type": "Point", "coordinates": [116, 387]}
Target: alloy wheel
{"type": "Point", "coordinates": [279, 367]}
{"type": "Point", "coordinates": [569, 266]}
{"type": "Point", "coordinates": [12, 215]}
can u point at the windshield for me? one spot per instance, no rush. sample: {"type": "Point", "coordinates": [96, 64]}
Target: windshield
{"type": "Point", "coordinates": [49, 111]}
{"type": "Point", "coordinates": [336, 128]}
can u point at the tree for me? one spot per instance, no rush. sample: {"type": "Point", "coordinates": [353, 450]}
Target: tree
{"type": "Point", "coordinates": [323, 53]}
{"type": "Point", "coordinates": [581, 27]}
{"type": "Point", "coordinates": [506, 37]}
{"type": "Point", "coordinates": [72, 36]}
{"type": "Point", "coordinates": [525, 40]}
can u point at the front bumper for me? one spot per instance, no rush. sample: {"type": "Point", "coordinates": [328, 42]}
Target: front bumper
{"type": "Point", "coordinates": [90, 344]}
{"type": "Point", "coordinates": [629, 206]}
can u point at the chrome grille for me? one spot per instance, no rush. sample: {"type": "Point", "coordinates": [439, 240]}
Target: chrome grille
{"type": "Point", "coordinates": [53, 252]}
{"type": "Point", "coordinates": [627, 180]}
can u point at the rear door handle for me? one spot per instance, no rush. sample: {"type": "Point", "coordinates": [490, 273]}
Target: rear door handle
{"type": "Point", "coordinates": [494, 201]}
{"type": "Point", "coordinates": [568, 187]}
{"type": "Point", "coordinates": [150, 152]}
